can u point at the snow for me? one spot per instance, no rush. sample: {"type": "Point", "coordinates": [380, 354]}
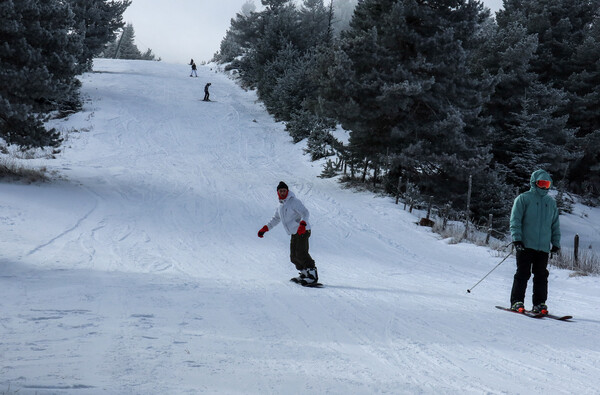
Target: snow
{"type": "Point", "coordinates": [138, 270]}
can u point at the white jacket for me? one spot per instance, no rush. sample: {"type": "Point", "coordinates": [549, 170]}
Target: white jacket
{"type": "Point", "coordinates": [290, 212]}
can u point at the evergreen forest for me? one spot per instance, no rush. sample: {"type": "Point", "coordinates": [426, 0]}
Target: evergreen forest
{"type": "Point", "coordinates": [44, 46]}
{"type": "Point", "coordinates": [432, 92]}
{"type": "Point", "coordinates": [123, 47]}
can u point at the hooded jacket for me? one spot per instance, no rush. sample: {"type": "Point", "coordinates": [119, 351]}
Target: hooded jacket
{"type": "Point", "coordinates": [290, 212]}
{"type": "Point", "coordinates": [534, 217]}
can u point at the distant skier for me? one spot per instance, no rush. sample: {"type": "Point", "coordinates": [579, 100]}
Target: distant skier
{"type": "Point", "coordinates": [206, 95]}
{"type": "Point", "coordinates": [295, 220]}
{"type": "Point", "coordinates": [535, 231]}
{"type": "Point", "coordinates": [193, 73]}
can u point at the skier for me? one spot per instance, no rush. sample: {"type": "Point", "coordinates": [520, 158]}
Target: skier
{"type": "Point", "coordinates": [294, 217]}
{"type": "Point", "coordinates": [535, 231]}
{"type": "Point", "coordinates": [206, 92]}
{"type": "Point", "coordinates": [193, 73]}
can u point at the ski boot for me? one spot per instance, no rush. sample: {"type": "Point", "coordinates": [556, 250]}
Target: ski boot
{"type": "Point", "coordinates": [518, 306]}
{"type": "Point", "coordinates": [540, 308]}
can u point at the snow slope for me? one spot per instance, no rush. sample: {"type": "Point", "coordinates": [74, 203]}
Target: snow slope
{"type": "Point", "coordinates": [139, 270]}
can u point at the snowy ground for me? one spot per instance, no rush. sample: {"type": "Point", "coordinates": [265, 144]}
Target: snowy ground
{"type": "Point", "coordinates": [139, 271]}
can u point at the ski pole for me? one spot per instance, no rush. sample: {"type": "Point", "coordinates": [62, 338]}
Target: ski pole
{"type": "Point", "coordinates": [495, 267]}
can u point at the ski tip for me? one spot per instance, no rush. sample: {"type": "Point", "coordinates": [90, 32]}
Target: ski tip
{"type": "Point", "coordinates": [560, 318]}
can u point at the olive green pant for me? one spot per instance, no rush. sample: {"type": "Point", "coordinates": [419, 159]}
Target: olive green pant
{"type": "Point", "coordinates": [299, 251]}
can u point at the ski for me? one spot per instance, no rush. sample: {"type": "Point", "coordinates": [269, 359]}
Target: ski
{"type": "Point", "coordinates": [526, 312]}
{"type": "Point", "coordinates": [539, 315]}
{"type": "Point", "coordinates": [559, 317]}
{"type": "Point", "coordinates": [305, 284]}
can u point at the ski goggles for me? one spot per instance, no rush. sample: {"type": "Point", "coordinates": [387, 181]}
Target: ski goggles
{"type": "Point", "coordinates": [543, 184]}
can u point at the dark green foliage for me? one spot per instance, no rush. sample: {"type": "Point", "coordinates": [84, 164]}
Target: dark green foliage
{"type": "Point", "coordinates": [434, 91]}
{"type": "Point", "coordinates": [402, 84]}
{"type": "Point", "coordinates": [124, 47]}
{"type": "Point", "coordinates": [96, 22]}
{"type": "Point", "coordinates": [566, 58]}
{"type": "Point", "coordinates": [37, 69]}
{"type": "Point", "coordinates": [304, 122]}
{"type": "Point", "coordinates": [44, 45]}
{"type": "Point", "coordinates": [585, 101]}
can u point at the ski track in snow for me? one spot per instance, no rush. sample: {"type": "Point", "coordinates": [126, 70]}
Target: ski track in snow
{"type": "Point", "coordinates": [140, 271]}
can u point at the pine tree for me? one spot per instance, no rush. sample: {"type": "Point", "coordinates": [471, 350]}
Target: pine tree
{"type": "Point", "coordinates": [241, 35]}
{"type": "Point", "coordinates": [585, 101]}
{"type": "Point", "coordinates": [559, 25]}
{"type": "Point", "coordinates": [37, 69]}
{"type": "Point", "coordinates": [126, 48]}
{"type": "Point", "coordinates": [96, 21]}
{"type": "Point", "coordinates": [402, 81]}
{"type": "Point", "coordinates": [566, 57]}
{"type": "Point", "coordinates": [528, 129]}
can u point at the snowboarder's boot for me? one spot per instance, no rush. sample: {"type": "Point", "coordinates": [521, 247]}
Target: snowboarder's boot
{"type": "Point", "coordinates": [298, 279]}
{"type": "Point", "coordinates": [518, 306]}
{"type": "Point", "coordinates": [309, 276]}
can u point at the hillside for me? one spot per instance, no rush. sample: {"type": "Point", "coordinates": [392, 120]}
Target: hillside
{"type": "Point", "coordinates": [138, 270]}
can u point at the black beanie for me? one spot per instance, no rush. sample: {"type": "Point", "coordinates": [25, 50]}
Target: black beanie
{"type": "Point", "coordinates": [282, 185]}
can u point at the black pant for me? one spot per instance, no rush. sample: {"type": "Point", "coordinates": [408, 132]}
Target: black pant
{"type": "Point", "coordinates": [299, 251]}
{"type": "Point", "coordinates": [531, 261]}
{"type": "Point", "coordinates": [206, 95]}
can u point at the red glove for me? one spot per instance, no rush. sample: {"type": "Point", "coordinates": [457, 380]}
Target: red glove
{"type": "Point", "coordinates": [302, 228]}
{"type": "Point", "coordinates": [262, 231]}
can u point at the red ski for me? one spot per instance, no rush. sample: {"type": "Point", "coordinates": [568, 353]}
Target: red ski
{"type": "Point", "coordinates": [559, 317]}
{"type": "Point", "coordinates": [532, 314]}
{"type": "Point", "coordinates": [524, 312]}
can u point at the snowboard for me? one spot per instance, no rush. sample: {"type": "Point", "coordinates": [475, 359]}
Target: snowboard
{"type": "Point", "coordinates": [305, 284]}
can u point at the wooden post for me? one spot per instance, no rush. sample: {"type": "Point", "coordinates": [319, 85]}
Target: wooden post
{"type": "Point", "coordinates": [489, 232]}
{"type": "Point", "coordinates": [467, 215]}
{"type": "Point", "coordinates": [398, 191]}
{"type": "Point", "coordinates": [576, 249]}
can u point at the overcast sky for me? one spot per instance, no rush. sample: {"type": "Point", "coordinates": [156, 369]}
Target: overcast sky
{"type": "Point", "coordinates": [178, 30]}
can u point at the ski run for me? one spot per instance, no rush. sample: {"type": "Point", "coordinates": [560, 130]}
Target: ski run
{"type": "Point", "coordinates": [138, 270]}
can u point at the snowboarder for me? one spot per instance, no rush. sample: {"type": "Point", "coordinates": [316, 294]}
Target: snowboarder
{"type": "Point", "coordinates": [295, 220]}
{"type": "Point", "coordinates": [206, 95]}
{"type": "Point", "coordinates": [193, 73]}
{"type": "Point", "coordinates": [535, 231]}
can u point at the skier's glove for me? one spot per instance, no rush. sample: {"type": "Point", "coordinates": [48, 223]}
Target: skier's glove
{"type": "Point", "coordinates": [555, 249]}
{"type": "Point", "coordinates": [519, 246]}
{"type": "Point", "coordinates": [262, 231]}
{"type": "Point", "coordinates": [302, 228]}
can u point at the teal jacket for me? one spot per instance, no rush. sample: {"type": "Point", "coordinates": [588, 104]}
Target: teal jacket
{"type": "Point", "coordinates": [534, 217]}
